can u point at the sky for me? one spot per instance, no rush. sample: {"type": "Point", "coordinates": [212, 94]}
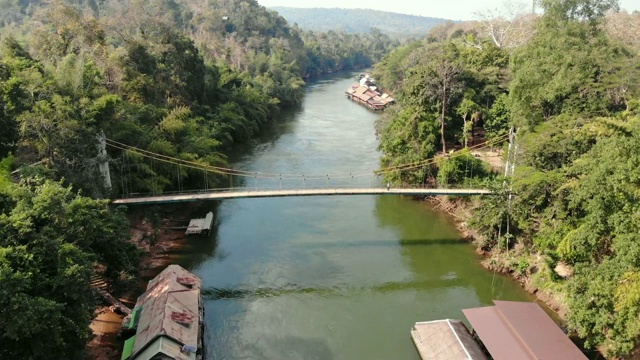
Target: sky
{"type": "Point", "coordinates": [447, 9]}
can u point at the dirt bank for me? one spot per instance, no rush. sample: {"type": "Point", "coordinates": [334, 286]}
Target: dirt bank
{"type": "Point", "coordinates": [158, 233]}
{"type": "Point", "coordinates": [105, 327]}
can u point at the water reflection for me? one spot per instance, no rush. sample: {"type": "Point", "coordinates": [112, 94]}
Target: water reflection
{"type": "Point", "coordinates": [449, 257]}
{"type": "Point", "coordinates": [328, 277]}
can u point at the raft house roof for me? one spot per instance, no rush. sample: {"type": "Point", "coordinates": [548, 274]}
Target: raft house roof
{"type": "Point", "coordinates": [370, 96]}
{"type": "Point", "coordinates": [169, 317]}
{"type": "Point", "coordinates": [445, 340]}
{"type": "Point", "coordinates": [521, 330]}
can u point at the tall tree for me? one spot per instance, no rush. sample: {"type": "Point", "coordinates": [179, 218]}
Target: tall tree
{"type": "Point", "coordinates": [510, 26]}
{"type": "Point", "coordinates": [441, 82]}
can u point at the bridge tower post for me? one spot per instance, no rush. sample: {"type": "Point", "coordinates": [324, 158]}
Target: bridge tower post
{"type": "Point", "coordinates": [510, 166]}
{"type": "Point", "coordinates": [509, 170]}
{"type": "Point", "coordinates": [103, 160]}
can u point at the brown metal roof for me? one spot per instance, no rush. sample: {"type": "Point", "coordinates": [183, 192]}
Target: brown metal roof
{"type": "Point", "coordinates": [361, 90]}
{"type": "Point", "coordinates": [520, 330]}
{"type": "Point", "coordinates": [171, 273]}
{"type": "Point", "coordinates": [170, 307]}
{"type": "Point", "coordinates": [445, 340]}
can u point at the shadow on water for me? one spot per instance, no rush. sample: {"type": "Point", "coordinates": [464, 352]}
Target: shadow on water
{"type": "Point", "coordinates": [253, 292]}
{"type": "Point", "coordinates": [283, 125]}
{"type": "Point", "coordinates": [448, 254]}
{"type": "Point", "coordinates": [366, 243]}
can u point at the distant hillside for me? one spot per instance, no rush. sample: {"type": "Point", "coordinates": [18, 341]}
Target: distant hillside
{"type": "Point", "coordinates": [358, 20]}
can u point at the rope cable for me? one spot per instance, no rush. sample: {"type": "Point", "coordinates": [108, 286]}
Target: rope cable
{"type": "Point", "coordinates": [244, 173]}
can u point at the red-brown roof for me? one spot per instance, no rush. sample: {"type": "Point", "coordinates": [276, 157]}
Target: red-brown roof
{"type": "Point", "coordinates": [520, 330]}
{"type": "Point", "coordinates": [170, 307]}
{"type": "Point", "coordinates": [361, 90]}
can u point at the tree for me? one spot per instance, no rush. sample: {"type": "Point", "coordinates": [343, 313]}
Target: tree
{"type": "Point", "coordinates": [49, 240]}
{"type": "Point", "coordinates": [439, 81]}
{"type": "Point", "coordinates": [469, 111]}
{"type": "Point", "coordinates": [591, 12]}
{"type": "Point", "coordinates": [508, 27]}
{"type": "Point", "coordinates": [569, 67]}
{"type": "Point", "coordinates": [624, 26]}
{"type": "Point", "coordinates": [455, 170]}
{"type": "Point", "coordinates": [498, 122]}
{"type": "Point", "coordinates": [407, 136]}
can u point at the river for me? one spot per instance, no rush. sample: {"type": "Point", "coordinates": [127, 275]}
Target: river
{"type": "Point", "coordinates": [330, 277]}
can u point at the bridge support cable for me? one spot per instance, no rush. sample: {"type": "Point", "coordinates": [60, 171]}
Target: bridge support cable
{"type": "Point", "coordinates": [220, 170]}
{"type": "Point", "coordinates": [336, 180]}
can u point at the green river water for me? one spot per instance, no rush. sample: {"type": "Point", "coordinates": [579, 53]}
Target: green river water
{"type": "Point", "coordinates": [341, 277]}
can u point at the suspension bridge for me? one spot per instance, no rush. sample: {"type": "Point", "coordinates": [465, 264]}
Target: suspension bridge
{"type": "Point", "coordinates": [220, 195]}
{"type": "Point", "coordinates": [265, 184]}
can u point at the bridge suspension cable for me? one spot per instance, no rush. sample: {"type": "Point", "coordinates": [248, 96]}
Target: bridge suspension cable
{"type": "Point", "coordinates": [433, 160]}
{"type": "Point", "coordinates": [267, 175]}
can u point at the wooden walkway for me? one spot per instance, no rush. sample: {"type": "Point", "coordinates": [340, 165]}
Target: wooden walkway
{"type": "Point", "coordinates": [300, 192]}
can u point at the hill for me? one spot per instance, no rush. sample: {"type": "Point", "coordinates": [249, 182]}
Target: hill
{"type": "Point", "coordinates": [358, 20]}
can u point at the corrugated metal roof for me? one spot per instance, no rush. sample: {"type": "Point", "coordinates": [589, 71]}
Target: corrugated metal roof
{"type": "Point", "coordinates": [521, 330]}
{"type": "Point", "coordinates": [361, 90]}
{"type": "Point", "coordinates": [170, 307]}
{"type": "Point", "coordinates": [164, 345]}
{"type": "Point", "coordinates": [172, 272]}
{"type": "Point", "coordinates": [445, 340]}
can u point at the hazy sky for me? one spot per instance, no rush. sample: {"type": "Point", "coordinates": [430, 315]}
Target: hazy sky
{"type": "Point", "coordinates": [448, 9]}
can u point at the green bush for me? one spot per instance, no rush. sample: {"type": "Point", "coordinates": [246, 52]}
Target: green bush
{"type": "Point", "coordinates": [461, 169]}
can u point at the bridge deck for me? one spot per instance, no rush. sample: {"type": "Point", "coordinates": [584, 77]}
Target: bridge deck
{"type": "Point", "coordinates": [301, 192]}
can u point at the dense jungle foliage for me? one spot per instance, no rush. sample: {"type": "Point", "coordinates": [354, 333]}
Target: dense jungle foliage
{"type": "Point", "coordinates": [571, 91]}
{"type": "Point", "coordinates": [182, 79]}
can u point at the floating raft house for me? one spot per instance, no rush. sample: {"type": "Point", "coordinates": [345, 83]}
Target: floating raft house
{"type": "Point", "coordinates": [200, 226]}
{"type": "Point", "coordinates": [368, 94]}
{"type": "Point", "coordinates": [521, 330]}
{"type": "Point", "coordinates": [509, 330]}
{"type": "Point", "coordinates": [168, 319]}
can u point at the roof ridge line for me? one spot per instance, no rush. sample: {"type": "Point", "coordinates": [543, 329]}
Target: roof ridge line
{"type": "Point", "coordinates": [514, 331]}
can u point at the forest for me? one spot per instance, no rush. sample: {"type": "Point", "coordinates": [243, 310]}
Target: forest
{"type": "Point", "coordinates": [182, 79]}
{"type": "Point", "coordinates": [567, 84]}
{"type": "Point", "coordinates": [359, 21]}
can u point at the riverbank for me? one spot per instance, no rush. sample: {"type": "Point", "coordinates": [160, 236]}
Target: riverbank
{"type": "Point", "coordinates": [528, 269]}
{"type": "Point", "coordinates": [155, 233]}
{"type": "Point", "coordinates": [299, 276]}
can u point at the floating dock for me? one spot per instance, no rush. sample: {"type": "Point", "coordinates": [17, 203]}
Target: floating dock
{"type": "Point", "coordinates": [445, 340]}
{"type": "Point", "coordinates": [507, 331]}
{"type": "Point", "coordinates": [200, 226]}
